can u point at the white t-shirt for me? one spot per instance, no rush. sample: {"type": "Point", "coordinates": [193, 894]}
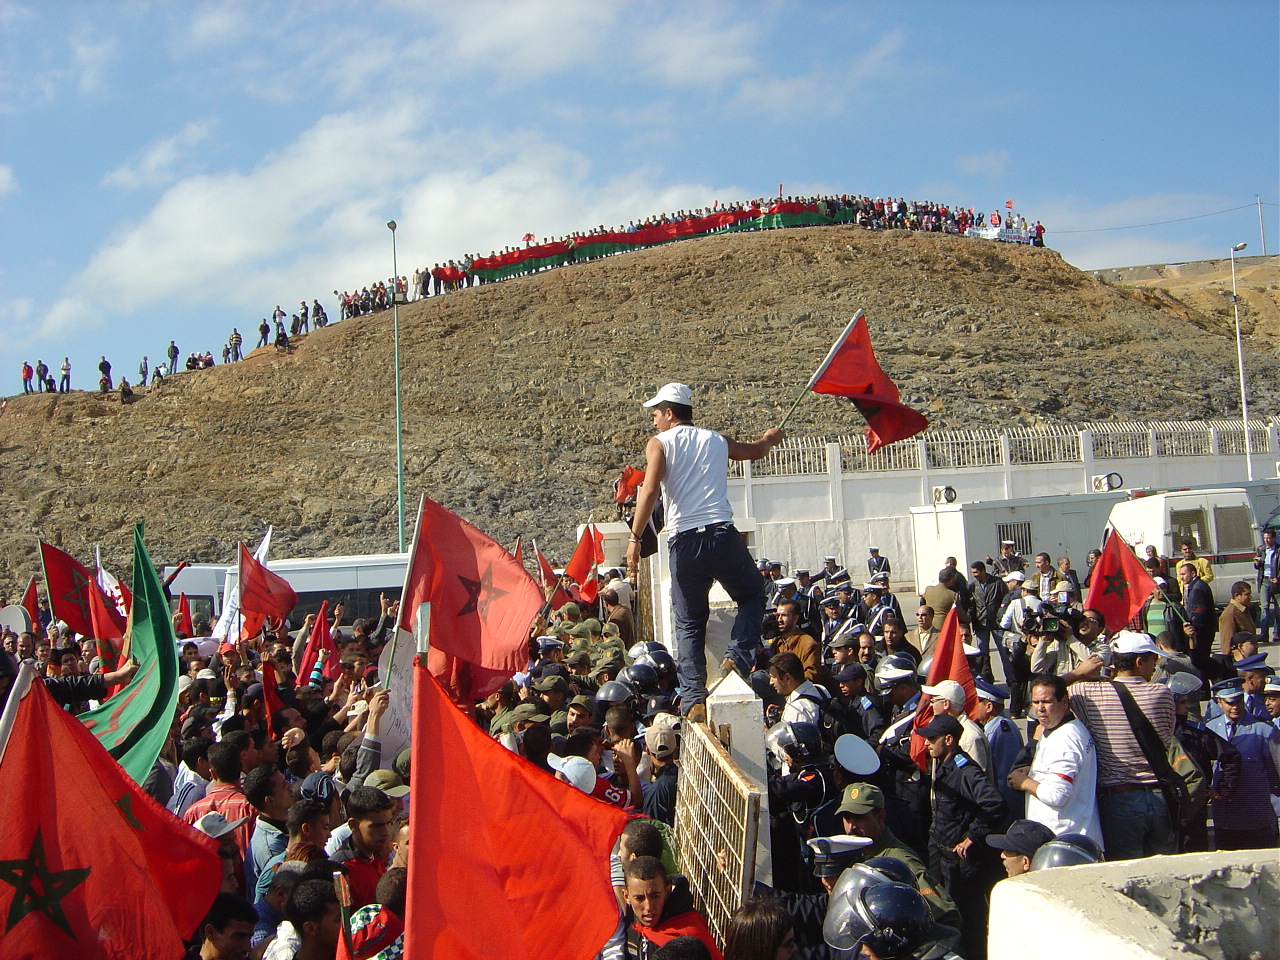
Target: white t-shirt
{"type": "Point", "coordinates": [804, 705]}
{"type": "Point", "coordinates": [1066, 769]}
{"type": "Point", "coordinates": [695, 489]}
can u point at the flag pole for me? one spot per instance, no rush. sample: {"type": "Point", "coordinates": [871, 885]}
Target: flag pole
{"type": "Point", "coordinates": [787, 415]}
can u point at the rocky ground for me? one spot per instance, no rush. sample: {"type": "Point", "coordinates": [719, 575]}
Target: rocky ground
{"type": "Point", "coordinates": [521, 399]}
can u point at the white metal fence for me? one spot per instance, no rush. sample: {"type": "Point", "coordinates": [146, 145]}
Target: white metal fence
{"type": "Point", "coordinates": [958, 449]}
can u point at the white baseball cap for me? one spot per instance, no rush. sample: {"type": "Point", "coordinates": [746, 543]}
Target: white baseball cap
{"type": "Point", "coordinates": [576, 770]}
{"type": "Point", "coordinates": [672, 393]}
{"type": "Point", "coordinates": [1130, 641]}
{"type": "Point", "coordinates": [948, 690]}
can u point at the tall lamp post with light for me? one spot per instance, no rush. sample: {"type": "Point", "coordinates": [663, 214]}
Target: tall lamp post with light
{"type": "Point", "coordinates": [1244, 396]}
{"type": "Point", "coordinates": [395, 327]}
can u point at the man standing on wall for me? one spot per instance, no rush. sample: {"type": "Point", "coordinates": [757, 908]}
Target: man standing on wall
{"type": "Point", "coordinates": [691, 464]}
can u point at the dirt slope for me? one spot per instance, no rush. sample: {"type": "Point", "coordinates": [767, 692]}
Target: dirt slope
{"type": "Point", "coordinates": [521, 398]}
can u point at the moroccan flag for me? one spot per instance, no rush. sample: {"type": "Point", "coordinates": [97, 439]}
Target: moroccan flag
{"type": "Point", "coordinates": [90, 866]}
{"type": "Point", "coordinates": [851, 371]}
{"type": "Point", "coordinates": [270, 691]}
{"type": "Point", "coordinates": [228, 625]}
{"type": "Point", "coordinates": [1120, 585]}
{"type": "Point", "coordinates": [626, 485]}
{"type": "Point", "coordinates": [118, 597]}
{"type": "Point", "coordinates": [529, 238]}
{"type": "Point", "coordinates": [69, 583]}
{"type": "Point", "coordinates": [482, 603]}
{"type": "Point", "coordinates": [262, 594]}
{"type": "Point", "coordinates": [949, 663]}
{"type": "Point", "coordinates": [134, 723]}
{"type": "Point", "coordinates": [31, 604]}
{"type": "Point", "coordinates": [184, 615]}
{"type": "Point", "coordinates": [481, 827]}
{"type": "Point", "coordinates": [590, 551]}
{"type": "Point", "coordinates": [109, 637]}
{"type": "Point", "coordinates": [321, 639]}
{"type": "Point", "coordinates": [559, 596]}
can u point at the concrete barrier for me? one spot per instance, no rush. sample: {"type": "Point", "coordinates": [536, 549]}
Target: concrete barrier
{"type": "Point", "coordinates": [1222, 906]}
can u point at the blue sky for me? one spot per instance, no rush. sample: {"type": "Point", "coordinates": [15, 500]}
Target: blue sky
{"type": "Point", "coordinates": [170, 170]}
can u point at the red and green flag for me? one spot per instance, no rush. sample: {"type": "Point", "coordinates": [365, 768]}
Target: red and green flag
{"type": "Point", "coordinates": [90, 866]}
{"type": "Point", "coordinates": [134, 723]}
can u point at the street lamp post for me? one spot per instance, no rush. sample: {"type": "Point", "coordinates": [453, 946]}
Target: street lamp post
{"type": "Point", "coordinates": [395, 326]}
{"type": "Point", "coordinates": [1244, 396]}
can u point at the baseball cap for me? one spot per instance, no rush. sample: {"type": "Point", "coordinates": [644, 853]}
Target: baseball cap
{"type": "Point", "coordinates": [860, 798]}
{"type": "Point", "coordinates": [661, 742]}
{"type": "Point", "coordinates": [671, 393]}
{"type": "Point", "coordinates": [1023, 837]}
{"type": "Point", "coordinates": [948, 690]}
{"type": "Point", "coordinates": [216, 825]}
{"type": "Point", "coordinates": [529, 711]}
{"type": "Point", "coordinates": [577, 770]}
{"type": "Point", "coordinates": [388, 781]}
{"type": "Point", "coordinates": [1130, 641]}
{"type": "Point", "coordinates": [317, 786]}
{"type": "Point", "coordinates": [850, 672]}
{"type": "Point", "coordinates": [194, 724]}
{"type": "Point", "coordinates": [940, 726]}
{"type": "Point", "coordinates": [552, 682]}
{"type": "Point", "coordinates": [1014, 576]}
{"type": "Point", "coordinates": [579, 658]}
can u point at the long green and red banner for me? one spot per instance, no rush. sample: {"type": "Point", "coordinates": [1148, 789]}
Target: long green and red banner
{"type": "Point", "coordinates": [529, 259]}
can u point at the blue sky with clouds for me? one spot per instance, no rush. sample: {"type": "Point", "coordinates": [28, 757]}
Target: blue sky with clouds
{"type": "Point", "coordinates": [171, 169]}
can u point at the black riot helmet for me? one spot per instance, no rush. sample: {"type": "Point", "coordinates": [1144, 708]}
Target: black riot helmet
{"type": "Point", "coordinates": [1068, 850]}
{"type": "Point", "coordinates": [616, 692]}
{"type": "Point", "coordinates": [892, 919]}
{"type": "Point", "coordinates": [641, 676]}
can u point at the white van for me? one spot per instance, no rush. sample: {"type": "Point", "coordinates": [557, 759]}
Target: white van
{"type": "Point", "coordinates": [356, 581]}
{"type": "Point", "coordinates": [1218, 522]}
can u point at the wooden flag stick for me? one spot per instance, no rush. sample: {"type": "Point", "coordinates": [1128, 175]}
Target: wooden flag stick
{"type": "Point", "coordinates": [803, 393]}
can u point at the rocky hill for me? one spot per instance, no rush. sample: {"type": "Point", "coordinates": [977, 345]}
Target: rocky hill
{"type": "Point", "coordinates": [521, 399]}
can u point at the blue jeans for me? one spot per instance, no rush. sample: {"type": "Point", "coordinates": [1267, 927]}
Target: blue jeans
{"type": "Point", "coordinates": [1269, 612]}
{"type": "Point", "coordinates": [1136, 824]}
{"type": "Point", "coordinates": [697, 558]}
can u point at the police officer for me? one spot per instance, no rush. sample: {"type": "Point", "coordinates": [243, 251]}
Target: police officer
{"type": "Point", "coordinates": [1206, 748]}
{"type": "Point", "coordinates": [797, 791]}
{"type": "Point", "coordinates": [1003, 740]}
{"type": "Point", "coordinates": [1245, 819]}
{"type": "Point", "coordinates": [866, 719]}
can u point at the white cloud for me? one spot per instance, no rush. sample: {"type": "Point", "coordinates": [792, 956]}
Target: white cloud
{"type": "Point", "coordinates": [694, 50]}
{"type": "Point", "coordinates": [312, 216]}
{"type": "Point", "coordinates": [156, 162]}
{"type": "Point", "coordinates": [1087, 238]}
{"type": "Point", "coordinates": [993, 164]}
{"type": "Point", "coordinates": [90, 56]}
{"type": "Point", "coordinates": [215, 25]}
{"type": "Point", "coordinates": [8, 182]}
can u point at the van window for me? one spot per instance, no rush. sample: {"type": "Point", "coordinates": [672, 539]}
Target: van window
{"type": "Point", "coordinates": [1190, 525]}
{"type": "Point", "coordinates": [1233, 528]}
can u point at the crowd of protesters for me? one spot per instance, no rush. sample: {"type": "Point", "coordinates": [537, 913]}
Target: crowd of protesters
{"type": "Point", "coordinates": [1046, 768]}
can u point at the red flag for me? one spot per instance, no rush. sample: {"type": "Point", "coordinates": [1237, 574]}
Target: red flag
{"type": "Point", "coordinates": [32, 606]}
{"type": "Point", "coordinates": [550, 581]}
{"type": "Point", "coordinates": [482, 603]}
{"type": "Point", "coordinates": [321, 639]}
{"type": "Point", "coordinates": [262, 594]}
{"type": "Point", "coordinates": [1120, 585]}
{"type": "Point", "coordinates": [90, 866]}
{"type": "Point", "coordinates": [1009, 204]}
{"type": "Point", "coordinates": [626, 486]}
{"type": "Point", "coordinates": [949, 663]}
{"type": "Point", "coordinates": [590, 590]}
{"type": "Point", "coordinates": [69, 583]}
{"type": "Point", "coordinates": [184, 615]}
{"type": "Point", "coordinates": [850, 370]}
{"type": "Point", "coordinates": [590, 551]}
{"type": "Point", "coordinates": [480, 829]}
{"type": "Point", "coordinates": [529, 238]}
{"type": "Point", "coordinates": [270, 691]}
{"type": "Point", "coordinates": [110, 638]}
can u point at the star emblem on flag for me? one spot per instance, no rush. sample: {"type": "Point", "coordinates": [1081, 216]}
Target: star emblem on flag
{"type": "Point", "coordinates": [76, 596]}
{"type": "Point", "coordinates": [1116, 583]}
{"type": "Point", "coordinates": [38, 888]}
{"type": "Point", "coordinates": [480, 594]}
{"type": "Point", "coordinates": [125, 804]}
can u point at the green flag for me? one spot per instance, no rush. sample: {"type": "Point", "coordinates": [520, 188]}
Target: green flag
{"type": "Point", "coordinates": [133, 724]}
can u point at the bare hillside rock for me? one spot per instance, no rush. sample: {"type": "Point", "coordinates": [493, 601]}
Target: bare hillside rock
{"type": "Point", "coordinates": [521, 399]}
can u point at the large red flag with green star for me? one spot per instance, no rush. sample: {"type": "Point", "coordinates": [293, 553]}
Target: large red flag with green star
{"type": "Point", "coordinates": [1119, 585]}
{"type": "Point", "coordinates": [90, 866]}
{"type": "Point", "coordinates": [69, 584]}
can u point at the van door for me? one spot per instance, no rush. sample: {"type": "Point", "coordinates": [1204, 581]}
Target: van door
{"type": "Point", "coordinates": [1189, 521]}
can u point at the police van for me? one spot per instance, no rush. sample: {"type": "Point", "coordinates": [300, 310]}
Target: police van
{"type": "Point", "coordinates": [358, 582]}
